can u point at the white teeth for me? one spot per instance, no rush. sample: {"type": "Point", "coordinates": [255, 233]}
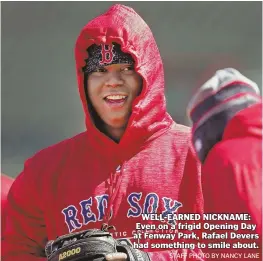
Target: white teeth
{"type": "Point", "coordinates": [116, 97]}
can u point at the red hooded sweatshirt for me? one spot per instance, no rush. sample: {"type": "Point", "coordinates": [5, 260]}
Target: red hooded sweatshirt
{"type": "Point", "coordinates": [232, 180]}
{"type": "Point", "coordinates": [6, 183]}
{"type": "Point", "coordinates": [89, 179]}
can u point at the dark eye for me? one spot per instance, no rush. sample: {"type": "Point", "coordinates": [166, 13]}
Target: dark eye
{"type": "Point", "coordinates": [128, 68]}
{"type": "Point", "coordinates": [100, 69]}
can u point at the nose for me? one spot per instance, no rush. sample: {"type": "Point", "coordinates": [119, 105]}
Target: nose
{"type": "Point", "coordinates": [114, 79]}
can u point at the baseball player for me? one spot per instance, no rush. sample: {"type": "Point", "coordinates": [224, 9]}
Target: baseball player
{"type": "Point", "coordinates": [227, 135]}
{"type": "Point", "coordinates": [133, 159]}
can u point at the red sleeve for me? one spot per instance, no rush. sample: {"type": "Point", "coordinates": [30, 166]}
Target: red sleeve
{"type": "Point", "coordinates": [232, 180]}
{"type": "Point", "coordinates": [24, 235]}
{"type": "Point", "coordinates": [231, 186]}
{"type": "Point", "coordinates": [219, 185]}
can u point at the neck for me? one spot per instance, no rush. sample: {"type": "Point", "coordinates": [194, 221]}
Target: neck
{"type": "Point", "coordinates": [114, 133]}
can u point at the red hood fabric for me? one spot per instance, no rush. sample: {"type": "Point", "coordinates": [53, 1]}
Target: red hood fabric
{"type": "Point", "coordinates": [247, 122]}
{"type": "Point", "coordinates": [149, 118]}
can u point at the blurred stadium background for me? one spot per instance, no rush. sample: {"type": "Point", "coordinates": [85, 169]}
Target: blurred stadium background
{"type": "Point", "coordinates": [40, 103]}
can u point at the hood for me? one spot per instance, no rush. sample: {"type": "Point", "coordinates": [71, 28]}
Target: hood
{"type": "Point", "coordinates": [149, 118]}
{"type": "Point", "coordinates": [246, 123]}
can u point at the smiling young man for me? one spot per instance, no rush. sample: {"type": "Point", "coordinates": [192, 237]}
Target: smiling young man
{"type": "Point", "coordinates": [132, 159]}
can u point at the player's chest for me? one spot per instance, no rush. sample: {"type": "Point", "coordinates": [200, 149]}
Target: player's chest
{"type": "Point", "coordinates": [88, 193]}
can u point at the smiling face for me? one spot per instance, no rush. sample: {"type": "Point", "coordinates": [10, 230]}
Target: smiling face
{"type": "Point", "coordinates": [112, 90]}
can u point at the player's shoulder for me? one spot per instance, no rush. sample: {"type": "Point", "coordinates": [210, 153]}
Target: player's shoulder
{"type": "Point", "coordinates": [61, 148]}
{"type": "Point", "coordinates": [6, 180]}
{"type": "Point", "coordinates": [40, 169]}
{"type": "Point", "coordinates": [180, 128]}
{"type": "Point", "coordinates": [236, 149]}
{"type": "Point", "coordinates": [6, 183]}
{"type": "Point", "coordinates": [180, 131]}
{"type": "Point", "coordinates": [178, 136]}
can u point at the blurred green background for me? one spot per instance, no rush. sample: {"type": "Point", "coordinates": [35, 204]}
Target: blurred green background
{"type": "Point", "coordinates": [39, 99]}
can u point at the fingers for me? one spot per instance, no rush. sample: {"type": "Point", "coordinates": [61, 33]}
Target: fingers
{"type": "Point", "coordinates": [116, 257]}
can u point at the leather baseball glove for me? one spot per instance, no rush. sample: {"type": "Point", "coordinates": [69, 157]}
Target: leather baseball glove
{"type": "Point", "coordinates": [89, 245]}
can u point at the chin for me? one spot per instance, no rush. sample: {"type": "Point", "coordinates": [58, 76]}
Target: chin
{"type": "Point", "coordinates": [118, 125]}
{"type": "Point", "coordinates": [118, 122]}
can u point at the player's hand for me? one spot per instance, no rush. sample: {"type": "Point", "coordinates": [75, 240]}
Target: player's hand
{"type": "Point", "coordinates": [116, 257]}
